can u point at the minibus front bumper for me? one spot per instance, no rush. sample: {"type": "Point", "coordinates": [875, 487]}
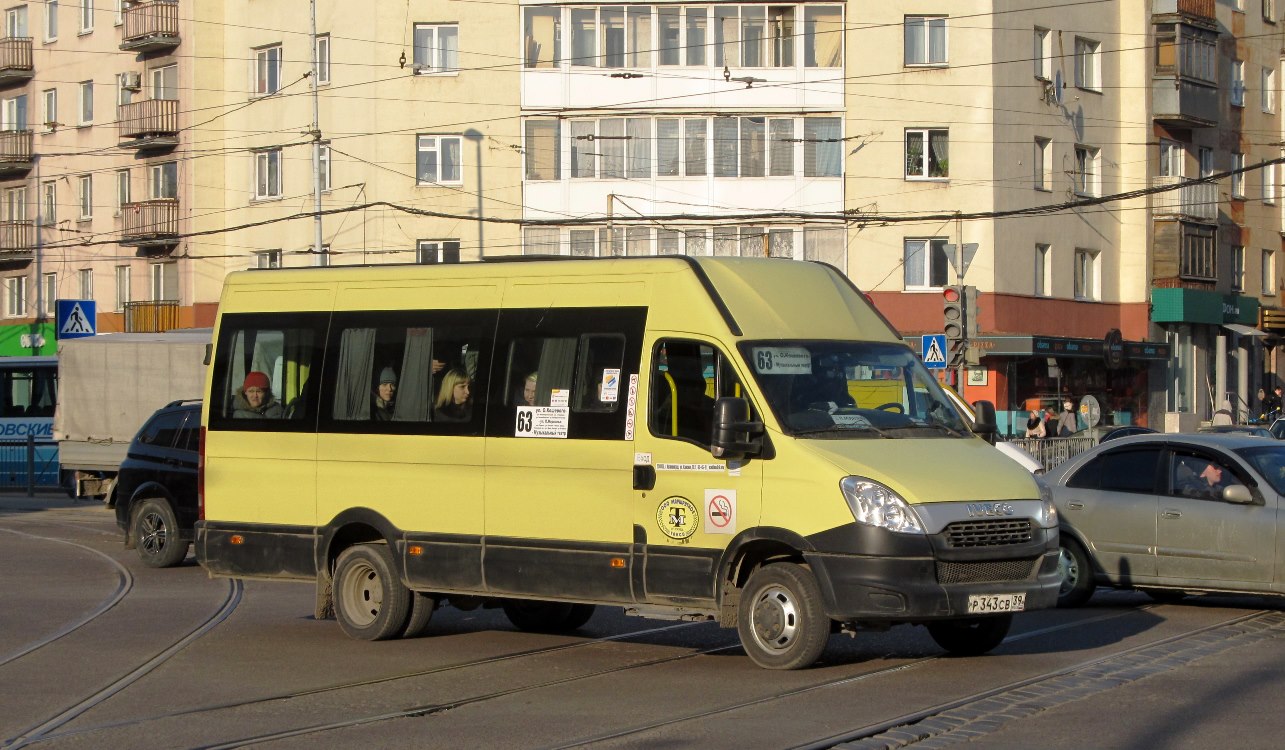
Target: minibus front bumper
{"type": "Point", "coordinates": [876, 575]}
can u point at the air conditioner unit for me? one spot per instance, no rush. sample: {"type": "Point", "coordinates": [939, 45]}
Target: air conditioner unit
{"type": "Point", "coordinates": [131, 80]}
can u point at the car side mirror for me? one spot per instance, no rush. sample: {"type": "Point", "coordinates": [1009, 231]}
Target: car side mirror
{"type": "Point", "coordinates": [984, 420]}
{"type": "Point", "coordinates": [1239, 494]}
{"type": "Point", "coordinates": [735, 436]}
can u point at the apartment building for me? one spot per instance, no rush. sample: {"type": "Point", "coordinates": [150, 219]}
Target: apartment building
{"type": "Point", "coordinates": [93, 96]}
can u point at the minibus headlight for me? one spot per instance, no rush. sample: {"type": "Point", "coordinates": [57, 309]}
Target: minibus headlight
{"type": "Point", "coordinates": [872, 504]}
{"type": "Point", "coordinates": [1046, 498]}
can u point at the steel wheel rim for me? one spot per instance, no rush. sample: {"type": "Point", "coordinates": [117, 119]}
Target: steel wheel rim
{"type": "Point", "coordinates": [362, 594]}
{"type": "Point", "coordinates": [1069, 570]}
{"type": "Point", "coordinates": [153, 533]}
{"type": "Point", "coordinates": [774, 619]}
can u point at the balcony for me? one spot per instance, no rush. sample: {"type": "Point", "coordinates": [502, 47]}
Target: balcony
{"type": "Point", "coordinates": [151, 25]}
{"type": "Point", "coordinates": [151, 223]}
{"type": "Point", "coordinates": [15, 60]}
{"type": "Point", "coordinates": [1198, 10]}
{"type": "Point", "coordinates": [1184, 254]}
{"type": "Point", "coordinates": [1183, 103]}
{"type": "Point", "coordinates": [15, 152]}
{"type": "Point", "coordinates": [1195, 202]}
{"type": "Point", "coordinates": [17, 241]}
{"type": "Point", "coordinates": [149, 124]}
{"type": "Point", "coordinates": [151, 317]}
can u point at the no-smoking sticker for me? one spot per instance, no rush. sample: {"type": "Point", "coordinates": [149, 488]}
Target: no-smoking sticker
{"type": "Point", "coordinates": [720, 511]}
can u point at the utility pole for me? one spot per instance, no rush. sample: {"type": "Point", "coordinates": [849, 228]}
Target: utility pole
{"type": "Point", "coordinates": [40, 301]}
{"type": "Point", "coordinates": [318, 257]}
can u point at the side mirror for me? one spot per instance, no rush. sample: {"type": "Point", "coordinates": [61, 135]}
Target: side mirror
{"type": "Point", "coordinates": [984, 420]}
{"type": "Point", "coordinates": [735, 437]}
{"type": "Point", "coordinates": [1239, 494]}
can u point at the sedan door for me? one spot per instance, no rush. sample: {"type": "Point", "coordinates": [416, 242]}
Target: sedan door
{"type": "Point", "coordinates": [1203, 538]}
{"type": "Point", "coordinates": [1111, 503]}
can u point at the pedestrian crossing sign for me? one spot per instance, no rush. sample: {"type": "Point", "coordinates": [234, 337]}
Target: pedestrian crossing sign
{"type": "Point", "coordinates": [933, 351]}
{"type": "Point", "coordinates": [76, 318]}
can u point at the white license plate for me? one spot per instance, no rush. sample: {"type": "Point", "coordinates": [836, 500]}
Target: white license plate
{"type": "Point", "coordinates": [986, 603]}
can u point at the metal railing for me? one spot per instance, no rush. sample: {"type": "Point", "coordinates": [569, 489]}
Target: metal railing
{"type": "Point", "coordinates": [15, 145]}
{"type": "Point", "coordinates": [151, 18]}
{"type": "Point", "coordinates": [28, 464]}
{"type": "Point", "coordinates": [150, 220]}
{"type": "Point", "coordinates": [15, 54]}
{"type": "Point", "coordinates": [151, 117]}
{"type": "Point", "coordinates": [17, 238]}
{"type": "Point", "coordinates": [1053, 451]}
{"type": "Point", "coordinates": [1198, 201]}
{"type": "Point", "coordinates": [156, 316]}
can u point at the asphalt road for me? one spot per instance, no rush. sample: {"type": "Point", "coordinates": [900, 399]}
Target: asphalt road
{"type": "Point", "coordinates": [98, 651]}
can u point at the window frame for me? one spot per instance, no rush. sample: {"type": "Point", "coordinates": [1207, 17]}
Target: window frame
{"type": "Point", "coordinates": [267, 168]}
{"type": "Point", "coordinates": [440, 250]}
{"type": "Point", "coordinates": [1237, 95]}
{"type": "Point", "coordinates": [1042, 53]}
{"type": "Point", "coordinates": [1043, 269]}
{"type": "Point", "coordinates": [322, 42]}
{"type": "Point", "coordinates": [1042, 164]}
{"type": "Point", "coordinates": [51, 20]}
{"type": "Point", "coordinates": [1268, 82]}
{"type": "Point", "coordinates": [49, 100]}
{"type": "Point", "coordinates": [1267, 286]}
{"type": "Point", "coordinates": [927, 263]}
{"type": "Point", "coordinates": [15, 293]}
{"type": "Point", "coordinates": [438, 66]}
{"type": "Point", "coordinates": [122, 287]}
{"type": "Point", "coordinates": [1087, 275]}
{"type": "Point", "coordinates": [265, 77]}
{"type": "Point", "coordinates": [926, 22]}
{"type": "Point", "coordinates": [437, 149]}
{"type": "Point", "coordinates": [1086, 173]}
{"type": "Point", "coordinates": [926, 160]}
{"type": "Point", "coordinates": [1238, 268]}
{"type": "Point", "coordinates": [1088, 64]}
{"type": "Point", "coordinates": [86, 16]}
{"type": "Point", "coordinates": [85, 197]}
{"type": "Point", "coordinates": [85, 114]}
{"type": "Point", "coordinates": [1237, 178]}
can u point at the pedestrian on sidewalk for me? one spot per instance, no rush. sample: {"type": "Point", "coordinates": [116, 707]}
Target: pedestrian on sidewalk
{"type": "Point", "coordinates": [1066, 424]}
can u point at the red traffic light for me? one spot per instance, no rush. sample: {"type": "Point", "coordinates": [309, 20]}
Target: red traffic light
{"type": "Point", "coordinates": [950, 293]}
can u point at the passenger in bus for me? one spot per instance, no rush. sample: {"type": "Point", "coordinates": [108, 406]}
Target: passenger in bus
{"type": "Point", "coordinates": [454, 402]}
{"type": "Point", "coordinates": [384, 396]}
{"type": "Point", "coordinates": [528, 389]}
{"type": "Point", "coordinates": [254, 400]}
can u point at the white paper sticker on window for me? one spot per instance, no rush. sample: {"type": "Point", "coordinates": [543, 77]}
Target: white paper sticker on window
{"type": "Point", "coordinates": [782, 360]}
{"type": "Point", "coordinates": [609, 389]}
{"type": "Point", "coordinates": [542, 422]}
{"type": "Point", "coordinates": [560, 397]}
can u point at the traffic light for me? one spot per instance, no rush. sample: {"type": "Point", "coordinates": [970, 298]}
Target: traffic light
{"type": "Point", "coordinates": [954, 324]}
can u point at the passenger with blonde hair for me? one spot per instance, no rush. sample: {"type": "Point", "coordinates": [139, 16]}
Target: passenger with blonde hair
{"type": "Point", "coordinates": [454, 402]}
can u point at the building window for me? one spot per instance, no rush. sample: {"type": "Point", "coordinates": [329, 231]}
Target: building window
{"type": "Point", "coordinates": [50, 301]}
{"type": "Point", "coordinates": [1237, 268]}
{"type": "Point", "coordinates": [437, 251]}
{"type": "Point", "coordinates": [164, 180]}
{"type": "Point", "coordinates": [1269, 273]}
{"type": "Point", "coordinates": [1238, 175]}
{"type": "Point", "coordinates": [124, 89]}
{"type": "Point", "coordinates": [267, 70]}
{"type": "Point", "coordinates": [122, 189]}
{"type": "Point", "coordinates": [1042, 54]}
{"type": "Point", "coordinates": [267, 174]}
{"type": "Point", "coordinates": [925, 40]}
{"type": "Point", "coordinates": [437, 48]}
{"type": "Point", "coordinates": [85, 277]}
{"type": "Point", "coordinates": [822, 147]}
{"type": "Point", "coordinates": [1086, 176]}
{"type": "Point", "coordinates": [1198, 253]}
{"type": "Point", "coordinates": [15, 204]}
{"type": "Point", "coordinates": [1087, 64]}
{"type": "Point", "coordinates": [1043, 270]}
{"type": "Point", "coordinates": [164, 282]}
{"type": "Point", "coordinates": [49, 201]}
{"type": "Point", "coordinates": [51, 20]}
{"type": "Point", "coordinates": [1269, 11]}
{"type": "Point", "coordinates": [122, 288]}
{"type": "Point", "coordinates": [437, 160]}
{"type": "Point", "coordinates": [1187, 52]}
{"type": "Point", "coordinates": [120, 11]}
{"type": "Point", "coordinates": [165, 82]}
{"type": "Point", "coordinates": [1086, 275]}
{"type": "Point", "coordinates": [1042, 162]}
{"type": "Point", "coordinates": [324, 156]}
{"type": "Point", "coordinates": [1269, 90]}
{"type": "Point", "coordinates": [927, 154]}
{"type": "Point", "coordinates": [86, 16]}
{"type": "Point", "coordinates": [925, 263]}
{"type": "Point", "coordinates": [268, 259]}
{"type": "Point", "coordinates": [323, 59]}
{"type": "Point", "coordinates": [15, 288]}
{"type": "Point", "coordinates": [13, 115]}
{"type": "Point", "coordinates": [86, 102]}
{"type": "Point", "coordinates": [51, 110]}
{"type": "Point", "coordinates": [540, 150]}
{"type": "Point", "coordinates": [1237, 83]}
{"type": "Point", "coordinates": [1171, 158]}
{"type": "Point", "coordinates": [620, 36]}
{"type": "Point", "coordinates": [86, 195]}
{"type": "Point", "coordinates": [1269, 183]}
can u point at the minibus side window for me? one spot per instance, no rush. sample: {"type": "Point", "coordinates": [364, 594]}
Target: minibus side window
{"type": "Point", "coordinates": [385, 374]}
{"type": "Point", "coordinates": [686, 378]}
{"type": "Point", "coordinates": [598, 380]}
{"type": "Point", "coordinates": [264, 375]}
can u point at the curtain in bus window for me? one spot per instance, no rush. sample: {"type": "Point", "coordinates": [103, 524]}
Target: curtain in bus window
{"type": "Point", "coordinates": [542, 33]}
{"type": "Point", "coordinates": [823, 36]}
{"type": "Point", "coordinates": [557, 366]}
{"type": "Point", "coordinates": [415, 389]}
{"type": "Point", "coordinates": [356, 368]}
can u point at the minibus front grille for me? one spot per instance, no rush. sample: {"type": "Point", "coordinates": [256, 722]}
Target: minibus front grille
{"type": "Point", "coordinates": [989, 571]}
{"type": "Point", "coordinates": [989, 533]}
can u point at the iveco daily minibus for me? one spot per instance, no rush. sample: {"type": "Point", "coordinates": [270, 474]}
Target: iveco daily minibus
{"type": "Point", "coordinates": [733, 439]}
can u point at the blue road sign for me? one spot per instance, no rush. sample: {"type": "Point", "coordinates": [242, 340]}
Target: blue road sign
{"type": "Point", "coordinates": [933, 351]}
{"type": "Point", "coordinates": [76, 318]}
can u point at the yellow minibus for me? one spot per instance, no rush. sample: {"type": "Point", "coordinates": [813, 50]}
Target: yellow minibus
{"type": "Point", "coordinates": [744, 440]}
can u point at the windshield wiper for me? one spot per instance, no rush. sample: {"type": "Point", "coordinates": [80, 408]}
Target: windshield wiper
{"type": "Point", "coordinates": [933, 426]}
{"type": "Point", "coordinates": [866, 431]}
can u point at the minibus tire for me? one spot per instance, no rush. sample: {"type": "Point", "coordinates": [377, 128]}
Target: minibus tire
{"type": "Point", "coordinates": [1077, 574]}
{"type": "Point", "coordinates": [539, 617]}
{"type": "Point", "coordinates": [780, 618]}
{"type": "Point", "coordinates": [156, 535]}
{"type": "Point", "coordinates": [371, 604]}
{"type": "Point", "coordinates": [421, 611]}
{"type": "Point", "coordinates": [971, 636]}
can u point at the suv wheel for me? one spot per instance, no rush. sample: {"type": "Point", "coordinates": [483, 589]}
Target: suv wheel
{"type": "Point", "coordinates": [156, 535]}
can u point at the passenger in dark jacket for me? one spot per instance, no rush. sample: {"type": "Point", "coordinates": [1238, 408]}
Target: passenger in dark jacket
{"type": "Point", "coordinates": [384, 396]}
{"type": "Point", "coordinates": [254, 399]}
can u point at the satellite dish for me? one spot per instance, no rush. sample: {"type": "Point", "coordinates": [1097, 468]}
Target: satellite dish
{"type": "Point", "coordinates": [1059, 85]}
{"type": "Point", "coordinates": [1091, 411]}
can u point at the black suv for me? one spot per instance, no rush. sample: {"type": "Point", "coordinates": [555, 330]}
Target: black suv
{"type": "Point", "coordinates": [155, 494]}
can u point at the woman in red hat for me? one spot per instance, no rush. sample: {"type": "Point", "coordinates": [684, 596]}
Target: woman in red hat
{"type": "Point", "coordinates": [254, 399]}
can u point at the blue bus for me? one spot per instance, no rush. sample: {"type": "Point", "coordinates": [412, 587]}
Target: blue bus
{"type": "Point", "coordinates": [28, 395]}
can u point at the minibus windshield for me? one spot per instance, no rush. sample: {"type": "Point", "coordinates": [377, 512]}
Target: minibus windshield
{"type": "Point", "coordinates": [849, 389]}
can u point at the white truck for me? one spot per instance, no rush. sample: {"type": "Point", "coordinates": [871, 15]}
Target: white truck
{"type": "Point", "coordinates": [108, 386]}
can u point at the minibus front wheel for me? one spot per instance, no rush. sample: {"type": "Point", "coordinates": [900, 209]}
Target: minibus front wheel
{"type": "Point", "coordinates": [371, 604]}
{"type": "Point", "coordinates": [781, 620]}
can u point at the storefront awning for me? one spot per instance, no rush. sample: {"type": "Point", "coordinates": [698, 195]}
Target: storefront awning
{"type": "Point", "coordinates": [1244, 330]}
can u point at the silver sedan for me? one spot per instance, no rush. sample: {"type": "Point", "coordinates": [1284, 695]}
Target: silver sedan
{"type": "Point", "coordinates": [1170, 514]}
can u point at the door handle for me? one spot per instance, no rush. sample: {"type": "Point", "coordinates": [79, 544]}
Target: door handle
{"type": "Point", "coordinates": [644, 477]}
{"type": "Point", "coordinates": [1075, 506]}
{"type": "Point", "coordinates": [1171, 514]}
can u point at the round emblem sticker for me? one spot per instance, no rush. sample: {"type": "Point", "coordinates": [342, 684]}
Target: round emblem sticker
{"type": "Point", "coordinates": [677, 517]}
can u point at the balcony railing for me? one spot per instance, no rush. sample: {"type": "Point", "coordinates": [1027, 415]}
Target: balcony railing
{"type": "Point", "coordinates": [151, 25]}
{"type": "Point", "coordinates": [1182, 103]}
{"type": "Point", "coordinates": [15, 152]}
{"type": "Point", "coordinates": [1203, 9]}
{"type": "Point", "coordinates": [149, 123]}
{"type": "Point", "coordinates": [17, 240]}
{"type": "Point", "coordinates": [150, 223]}
{"type": "Point", "coordinates": [15, 60]}
{"type": "Point", "coordinates": [151, 317]}
{"type": "Point", "coordinates": [1197, 201]}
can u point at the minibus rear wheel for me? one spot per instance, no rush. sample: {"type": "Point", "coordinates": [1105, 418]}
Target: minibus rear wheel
{"type": "Point", "coordinates": [371, 604]}
{"type": "Point", "coordinates": [780, 618]}
{"type": "Point", "coordinates": [971, 636]}
{"type": "Point", "coordinates": [421, 611]}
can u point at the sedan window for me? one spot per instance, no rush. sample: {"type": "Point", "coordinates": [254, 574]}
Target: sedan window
{"type": "Point", "coordinates": [1198, 476]}
{"type": "Point", "coordinates": [1269, 462]}
{"type": "Point", "coordinates": [1120, 471]}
